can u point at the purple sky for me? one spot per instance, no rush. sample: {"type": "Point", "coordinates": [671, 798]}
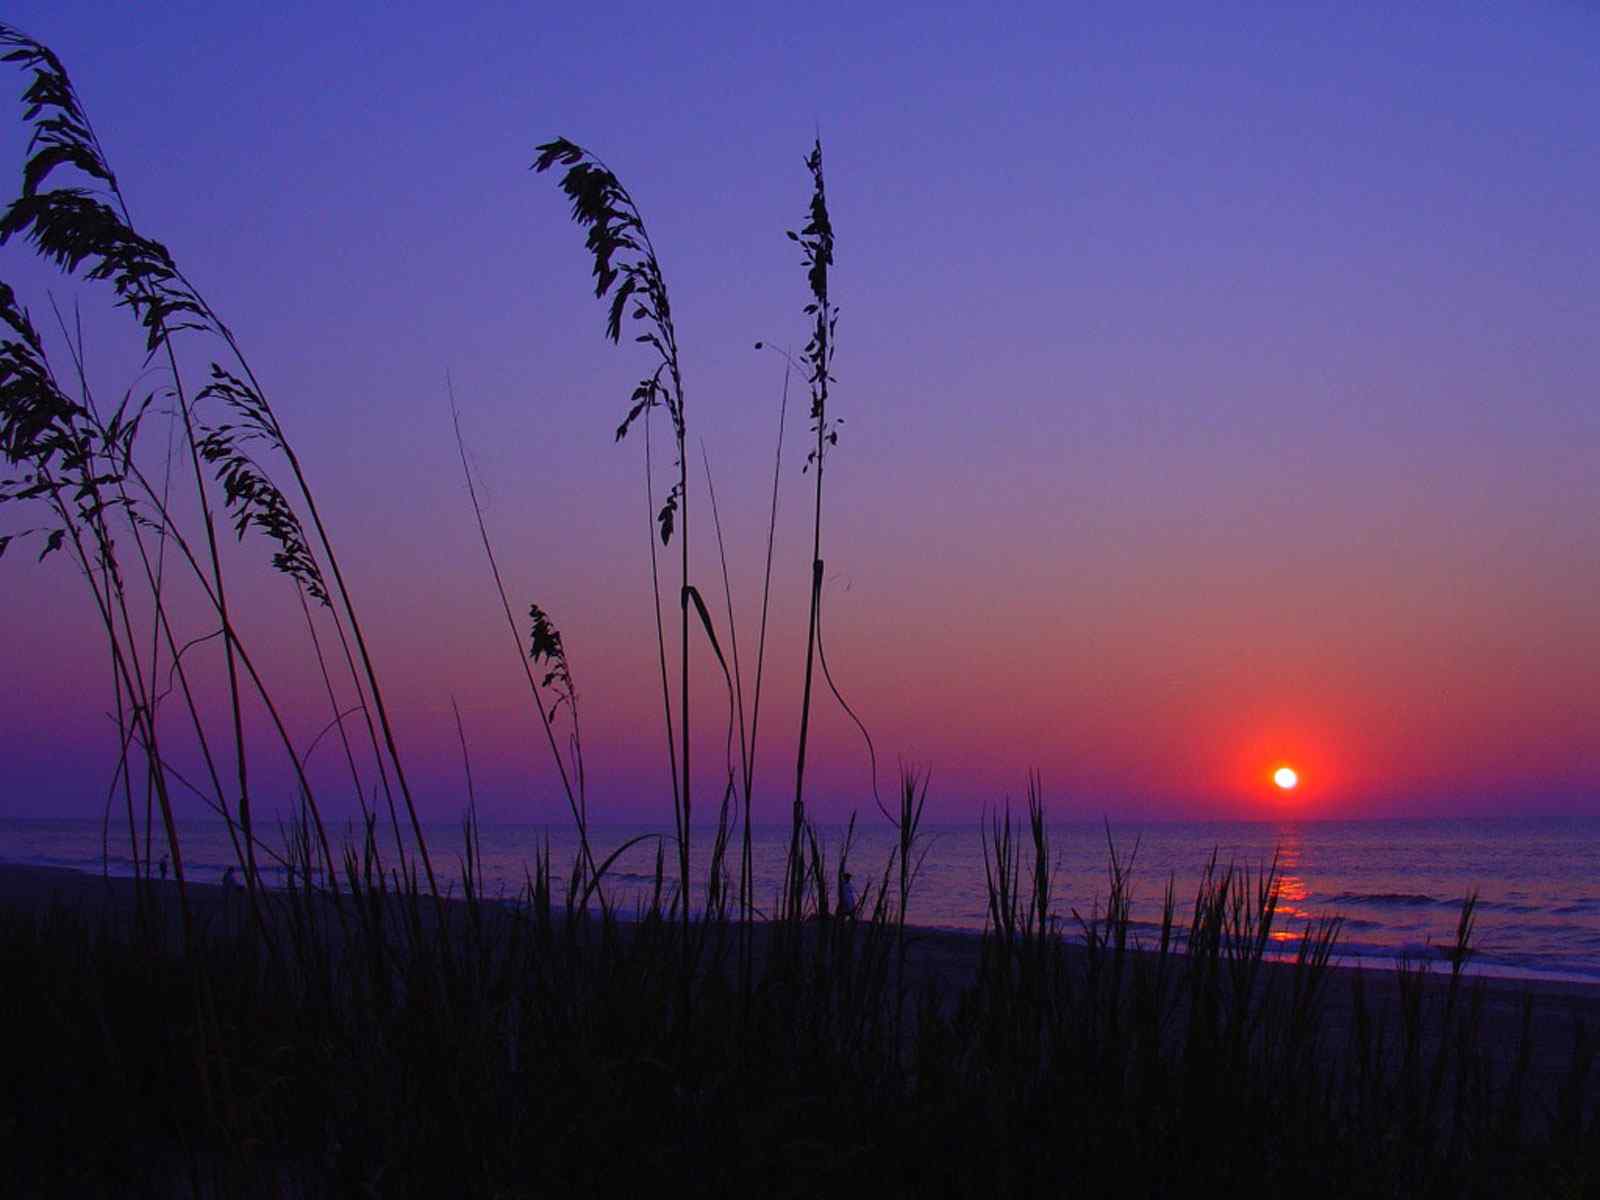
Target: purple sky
{"type": "Point", "coordinates": [1217, 392]}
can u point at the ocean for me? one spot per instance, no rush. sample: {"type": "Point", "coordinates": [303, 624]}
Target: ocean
{"type": "Point", "coordinates": [1398, 885]}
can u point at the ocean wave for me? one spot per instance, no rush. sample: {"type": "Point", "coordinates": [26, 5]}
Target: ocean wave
{"type": "Point", "coordinates": [637, 877]}
{"type": "Point", "coordinates": [1357, 925]}
{"type": "Point", "coordinates": [1507, 906]}
{"type": "Point", "coordinates": [1512, 964]}
{"type": "Point", "coordinates": [116, 862]}
{"type": "Point", "coordinates": [1578, 908]}
{"type": "Point", "coordinates": [1391, 899]}
{"type": "Point", "coordinates": [1565, 965]}
{"type": "Point", "coordinates": [120, 866]}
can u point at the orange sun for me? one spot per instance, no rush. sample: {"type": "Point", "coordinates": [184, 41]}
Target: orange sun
{"type": "Point", "coordinates": [1285, 778]}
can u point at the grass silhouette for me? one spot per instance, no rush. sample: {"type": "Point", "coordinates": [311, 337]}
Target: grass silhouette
{"type": "Point", "coordinates": [361, 1033]}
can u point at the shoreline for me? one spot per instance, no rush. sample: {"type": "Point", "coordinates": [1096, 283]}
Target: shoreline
{"type": "Point", "coordinates": [34, 887]}
{"type": "Point", "coordinates": [947, 961]}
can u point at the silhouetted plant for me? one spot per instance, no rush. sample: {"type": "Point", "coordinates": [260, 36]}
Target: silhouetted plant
{"type": "Point", "coordinates": [543, 635]}
{"type": "Point", "coordinates": [546, 649]}
{"type": "Point", "coordinates": [816, 243]}
{"type": "Point", "coordinates": [86, 231]}
{"type": "Point", "coordinates": [252, 498]}
{"type": "Point", "coordinates": [624, 257]}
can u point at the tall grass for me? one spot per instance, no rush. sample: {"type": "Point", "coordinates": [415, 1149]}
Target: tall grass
{"type": "Point", "coordinates": [816, 243]}
{"type": "Point", "coordinates": [508, 1050]}
{"type": "Point", "coordinates": [625, 258]}
{"type": "Point", "coordinates": [357, 1033]}
{"type": "Point", "coordinates": [83, 464]}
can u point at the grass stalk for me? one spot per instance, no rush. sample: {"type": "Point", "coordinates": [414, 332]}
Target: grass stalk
{"type": "Point", "coordinates": [816, 242]}
{"type": "Point", "coordinates": [569, 788]}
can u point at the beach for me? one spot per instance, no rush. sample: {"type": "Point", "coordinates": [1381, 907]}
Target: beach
{"type": "Point", "coordinates": [501, 1055]}
{"type": "Point", "coordinates": [947, 961]}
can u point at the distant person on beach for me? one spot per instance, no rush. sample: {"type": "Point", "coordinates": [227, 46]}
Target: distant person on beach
{"type": "Point", "coordinates": [163, 868]}
{"type": "Point", "coordinates": [230, 882]}
{"type": "Point", "coordinates": [847, 897]}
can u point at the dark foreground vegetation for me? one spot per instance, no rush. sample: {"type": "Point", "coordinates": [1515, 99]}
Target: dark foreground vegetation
{"type": "Point", "coordinates": [370, 1047]}
{"type": "Point", "coordinates": [377, 1038]}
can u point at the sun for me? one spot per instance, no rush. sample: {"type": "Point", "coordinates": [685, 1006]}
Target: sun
{"type": "Point", "coordinates": [1285, 778]}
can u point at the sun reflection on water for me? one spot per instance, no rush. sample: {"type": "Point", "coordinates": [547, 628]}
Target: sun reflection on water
{"type": "Point", "coordinates": [1292, 889]}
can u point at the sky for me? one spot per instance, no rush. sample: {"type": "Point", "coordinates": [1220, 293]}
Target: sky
{"type": "Point", "coordinates": [1219, 391]}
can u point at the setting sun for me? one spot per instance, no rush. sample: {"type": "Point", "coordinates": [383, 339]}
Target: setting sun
{"type": "Point", "coordinates": [1285, 778]}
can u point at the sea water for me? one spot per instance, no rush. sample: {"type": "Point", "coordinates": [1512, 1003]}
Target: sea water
{"type": "Point", "coordinates": [1397, 886]}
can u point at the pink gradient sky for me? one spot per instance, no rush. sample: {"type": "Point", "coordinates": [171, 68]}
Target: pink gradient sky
{"type": "Point", "coordinates": [1217, 393]}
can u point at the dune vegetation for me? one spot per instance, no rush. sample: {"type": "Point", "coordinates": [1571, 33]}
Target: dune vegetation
{"type": "Point", "coordinates": [369, 1031]}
